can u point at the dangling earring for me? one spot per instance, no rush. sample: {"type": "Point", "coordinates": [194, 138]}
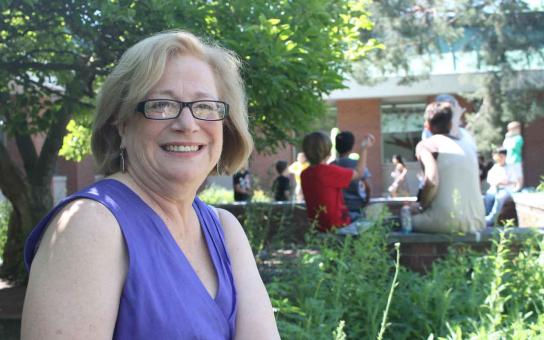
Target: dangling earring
{"type": "Point", "coordinates": [122, 155]}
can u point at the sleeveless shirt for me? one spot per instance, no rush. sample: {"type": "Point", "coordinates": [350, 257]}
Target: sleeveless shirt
{"type": "Point", "coordinates": [458, 205]}
{"type": "Point", "coordinates": [162, 296]}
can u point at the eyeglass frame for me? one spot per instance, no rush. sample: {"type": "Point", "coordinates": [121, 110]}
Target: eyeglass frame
{"type": "Point", "coordinates": [140, 107]}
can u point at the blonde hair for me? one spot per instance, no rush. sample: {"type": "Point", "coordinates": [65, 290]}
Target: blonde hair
{"type": "Point", "coordinates": [515, 125]}
{"type": "Point", "coordinates": [140, 69]}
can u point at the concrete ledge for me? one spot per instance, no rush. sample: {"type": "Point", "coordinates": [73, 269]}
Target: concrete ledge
{"type": "Point", "coordinates": [418, 251]}
{"type": "Point", "coordinates": [486, 235]}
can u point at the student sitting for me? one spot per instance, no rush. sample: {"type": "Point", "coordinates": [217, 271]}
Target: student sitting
{"type": "Point", "coordinates": [322, 184]}
{"type": "Point", "coordinates": [450, 199]}
{"type": "Point", "coordinates": [503, 181]}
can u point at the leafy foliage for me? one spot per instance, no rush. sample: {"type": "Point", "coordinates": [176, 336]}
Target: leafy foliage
{"type": "Point", "coordinates": [55, 55]}
{"type": "Point", "coordinates": [341, 284]}
{"type": "Point", "coordinates": [540, 187]}
{"type": "Point", "coordinates": [5, 210]}
{"type": "Point", "coordinates": [215, 194]}
{"type": "Point", "coordinates": [502, 39]}
{"type": "Point", "coordinates": [76, 144]}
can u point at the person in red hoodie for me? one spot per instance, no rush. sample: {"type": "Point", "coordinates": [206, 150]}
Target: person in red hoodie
{"type": "Point", "coordinates": [322, 184]}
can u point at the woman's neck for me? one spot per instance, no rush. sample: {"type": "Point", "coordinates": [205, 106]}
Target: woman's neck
{"type": "Point", "coordinates": [170, 201]}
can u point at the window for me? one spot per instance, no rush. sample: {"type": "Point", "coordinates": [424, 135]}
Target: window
{"type": "Point", "coordinates": [401, 129]}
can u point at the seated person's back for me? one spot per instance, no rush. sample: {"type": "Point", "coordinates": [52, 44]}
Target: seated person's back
{"type": "Point", "coordinates": [451, 197]}
{"type": "Point", "coordinates": [356, 195]}
{"type": "Point", "coordinates": [322, 182]}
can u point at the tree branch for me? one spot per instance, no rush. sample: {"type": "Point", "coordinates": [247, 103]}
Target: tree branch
{"type": "Point", "coordinates": [11, 178]}
{"type": "Point", "coordinates": [51, 146]}
{"type": "Point", "coordinates": [27, 150]}
{"type": "Point", "coordinates": [39, 66]}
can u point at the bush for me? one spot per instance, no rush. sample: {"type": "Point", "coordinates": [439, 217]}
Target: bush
{"type": "Point", "coordinates": [540, 187]}
{"type": "Point", "coordinates": [344, 285]}
{"type": "Point", "coordinates": [5, 211]}
{"type": "Point", "coordinates": [215, 194]}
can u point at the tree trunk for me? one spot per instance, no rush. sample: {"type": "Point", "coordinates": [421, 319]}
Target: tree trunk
{"type": "Point", "coordinates": [29, 192]}
{"type": "Point", "coordinates": [27, 211]}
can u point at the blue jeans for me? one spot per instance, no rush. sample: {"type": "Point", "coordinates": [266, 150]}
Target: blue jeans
{"type": "Point", "coordinates": [494, 200]}
{"type": "Point", "coordinates": [355, 227]}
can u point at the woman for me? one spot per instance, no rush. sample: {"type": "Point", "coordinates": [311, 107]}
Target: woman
{"type": "Point", "coordinates": [450, 200]}
{"type": "Point", "coordinates": [137, 255]}
{"type": "Point", "coordinates": [398, 187]}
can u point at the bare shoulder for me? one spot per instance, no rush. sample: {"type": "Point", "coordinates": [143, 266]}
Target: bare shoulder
{"type": "Point", "coordinates": [81, 263]}
{"type": "Point", "coordinates": [423, 145]}
{"type": "Point", "coordinates": [234, 233]}
{"type": "Point", "coordinates": [83, 223]}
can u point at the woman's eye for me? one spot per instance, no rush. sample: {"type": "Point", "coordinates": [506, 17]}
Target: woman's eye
{"type": "Point", "coordinates": [161, 105]}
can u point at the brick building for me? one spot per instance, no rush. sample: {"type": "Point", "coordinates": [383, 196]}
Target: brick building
{"type": "Point", "coordinates": [393, 113]}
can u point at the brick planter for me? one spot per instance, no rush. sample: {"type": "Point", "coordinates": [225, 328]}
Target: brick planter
{"type": "Point", "coordinates": [530, 209]}
{"type": "Point", "coordinates": [418, 251]}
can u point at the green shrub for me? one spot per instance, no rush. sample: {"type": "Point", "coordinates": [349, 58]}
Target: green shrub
{"type": "Point", "coordinates": [260, 196]}
{"type": "Point", "coordinates": [5, 211]}
{"type": "Point", "coordinates": [215, 194]}
{"type": "Point", "coordinates": [540, 187]}
{"type": "Point", "coordinates": [341, 287]}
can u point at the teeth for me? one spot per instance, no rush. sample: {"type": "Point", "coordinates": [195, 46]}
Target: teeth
{"type": "Point", "coordinates": [181, 148]}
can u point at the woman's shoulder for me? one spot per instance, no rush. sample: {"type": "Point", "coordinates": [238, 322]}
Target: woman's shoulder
{"type": "Point", "coordinates": [81, 244]}
{"type": "Point", "coordinates": [234, 233]}
{"type": "Point", "coordinates": [85, 218]}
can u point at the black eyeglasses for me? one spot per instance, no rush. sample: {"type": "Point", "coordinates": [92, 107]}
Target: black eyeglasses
{"type": "Point", "coordinates": [163, 109]}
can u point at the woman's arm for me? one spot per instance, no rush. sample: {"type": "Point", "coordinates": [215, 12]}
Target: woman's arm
{"type": "Point", "coordinates": [360, 167]}
{"type": "Point", "coordinates": [77, 276]}
{"type": "Point", "coordinates": [255, 319]}
{"type": "Point", "coordinates": [430, 169]}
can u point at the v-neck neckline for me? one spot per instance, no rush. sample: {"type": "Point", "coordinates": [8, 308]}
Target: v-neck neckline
{"type": "Point", "coordinates": [170, 238]}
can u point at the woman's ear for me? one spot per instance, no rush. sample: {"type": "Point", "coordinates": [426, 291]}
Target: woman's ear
{"type": "Point", "coordinates": [121, 130]}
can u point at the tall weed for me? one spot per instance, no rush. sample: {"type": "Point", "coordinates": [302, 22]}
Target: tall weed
{"type": "Point", "coordinates": [340, 286]}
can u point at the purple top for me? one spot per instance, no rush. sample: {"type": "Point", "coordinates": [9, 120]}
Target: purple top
{"type": "Point", "coordinates": [162, 296]}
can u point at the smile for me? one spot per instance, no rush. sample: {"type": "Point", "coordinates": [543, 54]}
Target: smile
{"type": "Point", "coordinates": [181, 148]}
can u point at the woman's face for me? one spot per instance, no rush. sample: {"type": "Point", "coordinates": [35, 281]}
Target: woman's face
{"type": "Point", "coordinates": [182, 149]}
{"type": "Point", "coordinates": [394, 160]}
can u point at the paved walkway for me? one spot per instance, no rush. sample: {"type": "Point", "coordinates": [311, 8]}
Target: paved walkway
{"type": "Point", "coordinates": [11, 301]}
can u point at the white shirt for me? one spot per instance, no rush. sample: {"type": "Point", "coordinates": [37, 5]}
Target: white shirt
{"type": "Point", "coordinates": [498, 174]}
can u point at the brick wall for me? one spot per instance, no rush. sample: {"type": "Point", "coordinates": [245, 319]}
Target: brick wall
{"type": "Point", "coordinates": [78, 174]}
{"type": "Point", "coordinates": [362, 116]}
{"type": "Point", "coordinates": [533, 152]}
{"type": "Point", "coordinates": [263, 169]}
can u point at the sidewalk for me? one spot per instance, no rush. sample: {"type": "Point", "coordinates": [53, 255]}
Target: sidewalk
{"type": "Point", "coordinates": [11, 301]}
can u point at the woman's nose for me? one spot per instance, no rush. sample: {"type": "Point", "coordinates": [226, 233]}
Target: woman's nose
{"type": "Point", "coordinates": [185, 121]}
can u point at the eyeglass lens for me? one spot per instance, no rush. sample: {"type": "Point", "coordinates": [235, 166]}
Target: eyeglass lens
{"type": "Point", "coordinates": [167, 109]}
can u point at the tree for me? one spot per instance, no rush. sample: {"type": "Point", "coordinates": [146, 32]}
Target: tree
{"type": "Point", "coordinates": [55, 54]}
{"type": "Point", "coordinates": [504, 38]}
